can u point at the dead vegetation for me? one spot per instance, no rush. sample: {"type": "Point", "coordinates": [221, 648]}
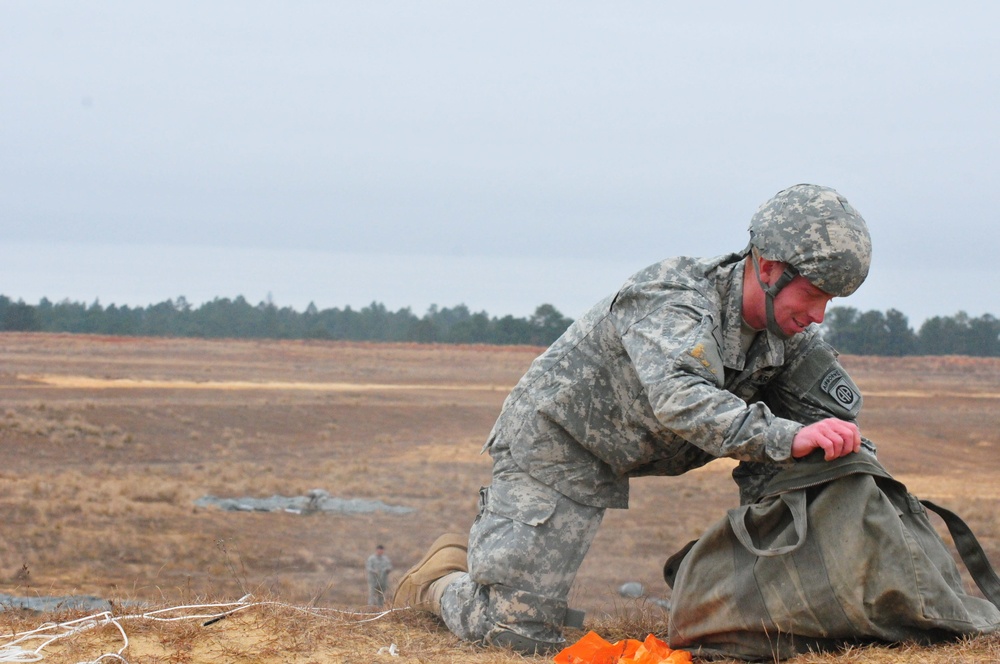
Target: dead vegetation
{"type": "Point", "coordinates": [63, 427]}
{"type": "Point", "coordinates": [270, 631]}
{"type": "Point", "coordinates": [99, 481]}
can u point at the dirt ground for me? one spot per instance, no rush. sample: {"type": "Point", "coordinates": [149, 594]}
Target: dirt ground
{"type": "Point", "coordinates": [106, 444]}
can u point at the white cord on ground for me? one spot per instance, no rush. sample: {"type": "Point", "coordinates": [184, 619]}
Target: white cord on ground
{"type": "Point", "coordinates": [392, 650]}
{"type": "Point", "coordinates": [18, 654]}
{"type": "Point", "coordinates": [16, 650]}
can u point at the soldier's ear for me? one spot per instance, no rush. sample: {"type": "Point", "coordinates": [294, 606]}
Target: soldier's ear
{"type": "Point", "coordinates": [770, 270]}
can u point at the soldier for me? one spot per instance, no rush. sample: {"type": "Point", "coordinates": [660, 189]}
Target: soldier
{"type": "Point", "coordinates": [377, 568]}
{"type": "Point", "coordinates": [691, 360]}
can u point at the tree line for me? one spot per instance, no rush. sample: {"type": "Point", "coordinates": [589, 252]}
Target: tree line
{"type": "Point", "coordinates": [237, 318]}
{"type": "Point", "coordinates": [849, 330]}
{"type": "Point", "coordinates": [889, 333]}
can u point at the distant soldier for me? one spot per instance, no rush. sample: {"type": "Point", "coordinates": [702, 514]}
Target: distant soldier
{"type": "Point", "coordinates": [377, 568]}
{"type": "Point", "coordinates": [692, 359]}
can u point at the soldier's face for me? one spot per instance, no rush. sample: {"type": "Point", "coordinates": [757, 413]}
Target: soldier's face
{"type": "Point", "coordinates": [800, 304]}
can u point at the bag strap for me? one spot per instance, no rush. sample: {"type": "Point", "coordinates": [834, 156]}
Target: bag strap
{"type": "Point", "coordinates": [795, 501]}
{"type": "Point", "coordinates": [971, 552]}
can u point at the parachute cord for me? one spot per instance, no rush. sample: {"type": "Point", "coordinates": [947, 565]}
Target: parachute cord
{"type": "Point", "coordinates": [19, 649]}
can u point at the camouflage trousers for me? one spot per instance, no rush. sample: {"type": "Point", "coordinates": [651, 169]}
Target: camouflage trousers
{"type": "Point", "coordinates": [525, 548]}
{"type": "Point", "coordinates": [377, 585]}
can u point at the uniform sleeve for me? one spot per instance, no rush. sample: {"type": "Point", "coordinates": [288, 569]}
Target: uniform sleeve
{"type": "Point", "coordinates": [679, 362]}
{"type": "Point", "coordinates": [814, 385]}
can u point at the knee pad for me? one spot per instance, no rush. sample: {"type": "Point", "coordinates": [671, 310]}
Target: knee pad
{"type": "Point", "coordinates": [531, 617]}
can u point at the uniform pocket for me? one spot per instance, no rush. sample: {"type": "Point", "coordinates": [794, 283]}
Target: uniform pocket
{"type": "Point", "coordinates": [527, 501]}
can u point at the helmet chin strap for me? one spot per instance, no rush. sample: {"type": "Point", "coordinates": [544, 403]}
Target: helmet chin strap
{"type": "Point", "coordinates": [771, 292]}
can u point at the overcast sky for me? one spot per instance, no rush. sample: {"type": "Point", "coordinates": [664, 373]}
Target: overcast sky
{"type": "Point", "coordinates": [500, 155]}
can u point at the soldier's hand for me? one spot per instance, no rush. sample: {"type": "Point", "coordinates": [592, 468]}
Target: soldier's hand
{"type": "Point", "coordinates": [835, 437]}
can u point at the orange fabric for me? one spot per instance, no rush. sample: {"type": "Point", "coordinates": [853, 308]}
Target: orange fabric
{"type": "Point", "coordinates": [592, 649]}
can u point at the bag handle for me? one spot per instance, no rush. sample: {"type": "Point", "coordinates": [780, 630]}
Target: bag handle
{"type": "Point", "coordinates": [971, 552]}
{"type": "Point", "coordinates": [795, 501]}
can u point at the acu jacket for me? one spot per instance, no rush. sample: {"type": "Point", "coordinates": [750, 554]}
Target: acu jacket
{"type": "Point", "coordinates": [653, 380]}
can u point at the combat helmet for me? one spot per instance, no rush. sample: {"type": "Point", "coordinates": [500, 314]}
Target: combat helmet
{"type": "Point", "coordinates": [818, 235]}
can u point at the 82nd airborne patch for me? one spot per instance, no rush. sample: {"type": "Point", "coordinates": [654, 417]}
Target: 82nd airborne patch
{"type": "Point", "coordinates": [841, 388]}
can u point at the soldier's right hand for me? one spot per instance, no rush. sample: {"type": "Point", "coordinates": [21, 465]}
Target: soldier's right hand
{"type": "Point", "coordinates": [835, 437]}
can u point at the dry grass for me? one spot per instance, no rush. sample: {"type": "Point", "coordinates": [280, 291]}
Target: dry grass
{"type": "Point", "coordinates": [62, 427]}
{"type": "Point", "coordinates": [271, 631]}
{"type": "Point", "coordinates": [99, 480]}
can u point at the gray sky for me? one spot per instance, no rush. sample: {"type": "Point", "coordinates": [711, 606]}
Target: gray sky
{"type": "Point", "coordinates": [503, 155]}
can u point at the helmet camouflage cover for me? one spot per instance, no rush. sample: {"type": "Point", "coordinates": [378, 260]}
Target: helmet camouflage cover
{"type": "Point", "coordinates": [816, 231]}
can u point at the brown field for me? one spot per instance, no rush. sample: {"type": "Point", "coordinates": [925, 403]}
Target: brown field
{"type": "Point", "coordinates": [106, 444]}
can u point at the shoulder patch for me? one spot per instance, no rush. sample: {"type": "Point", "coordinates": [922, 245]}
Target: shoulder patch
{"type": "Point", "coordinates": [836, 384]}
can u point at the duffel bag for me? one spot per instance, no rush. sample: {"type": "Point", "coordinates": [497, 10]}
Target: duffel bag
{"type": "Point", "coordinates": [832, 553]}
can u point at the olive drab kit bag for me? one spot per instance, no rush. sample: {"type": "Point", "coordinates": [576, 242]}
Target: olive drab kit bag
{"type": "Point", "coordinates": [833, 553]}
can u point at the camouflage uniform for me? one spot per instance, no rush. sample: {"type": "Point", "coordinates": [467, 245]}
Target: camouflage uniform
{"type": "Point", "coordinates": [524, 551]}
{"type": "Point", "coordinates": [377, 568]}
{"type": "Point", "coordinates": [657, 379]}
{"type": "Point", "coordinates": [651, 381]}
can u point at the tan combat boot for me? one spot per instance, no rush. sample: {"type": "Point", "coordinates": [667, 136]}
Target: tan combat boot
{"type": "Point", "coordinates": [447, 557]}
